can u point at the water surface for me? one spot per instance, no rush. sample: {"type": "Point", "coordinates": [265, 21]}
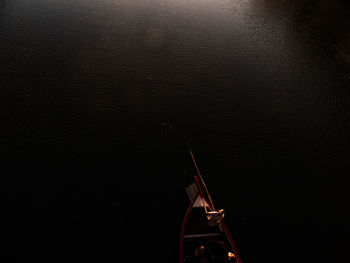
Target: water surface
{"type": "Point", "coordinates": [89, 89]}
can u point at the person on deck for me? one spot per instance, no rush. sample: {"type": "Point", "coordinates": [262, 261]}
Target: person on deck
{"type": "Point", "coordinates": [219, 253]}
{"type": "Point", "coordinates": [201, 254]}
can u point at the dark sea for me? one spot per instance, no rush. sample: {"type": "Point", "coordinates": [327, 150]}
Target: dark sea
{"type": "Point", "coordinates": [96, 98]}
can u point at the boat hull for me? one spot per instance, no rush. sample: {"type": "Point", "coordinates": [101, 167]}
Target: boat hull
{"type": "Point", "coordinates": [196, 233]}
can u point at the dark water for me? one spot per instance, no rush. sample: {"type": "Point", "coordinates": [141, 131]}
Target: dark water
{"type": "Point", "coordinates": [260, 88]}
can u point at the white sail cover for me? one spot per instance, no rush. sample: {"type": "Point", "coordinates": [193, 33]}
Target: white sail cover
{"type": "Point", "coordinates": [200, 202]}
{"type": "Point", "coordinates": [193, 192]}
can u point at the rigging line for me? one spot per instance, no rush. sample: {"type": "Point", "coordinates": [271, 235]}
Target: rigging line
{"type": "Point", "coordinates": [200, 176]}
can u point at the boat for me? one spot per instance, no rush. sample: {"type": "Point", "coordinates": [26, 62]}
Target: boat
{"type": "Point", "coordinates": [204, 236]}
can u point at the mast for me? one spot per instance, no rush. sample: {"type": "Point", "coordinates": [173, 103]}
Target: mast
{"type": "Point", "coordinates": [201, 178]}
